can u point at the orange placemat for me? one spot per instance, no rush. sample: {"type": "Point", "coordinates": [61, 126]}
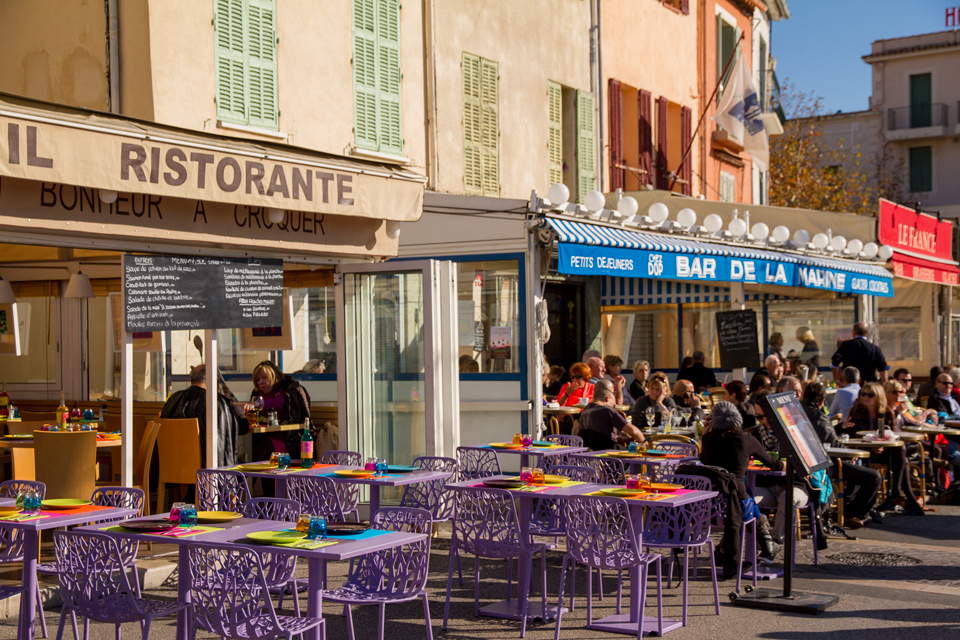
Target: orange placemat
{"type": "Point", "coordinates": [70, 512]}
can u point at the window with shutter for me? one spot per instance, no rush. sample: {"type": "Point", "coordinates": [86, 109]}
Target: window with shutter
{"type": "Point", "coordinates": [376, 76]}
{"type": "Point", "coordinates": [490, 127]}
{"type": "Point", "coordinates": [586, 145]}
{"type": "Point", "coordinates": [663, 170]}
{"type": "Point", "coordinates": [481, 126]}
{"type": "Point", "coordinates": [472, 169]}
{"type": "Point", "coordinates": [645, 107]}
{"type": "Point", "coordinates": [555, 139]}
{"type": "Point", "coordinates": [246, 62]}
{"type": "Point", "coordinates": [686, 133]}
{"type": "Point", "coordinates": [615, 100]}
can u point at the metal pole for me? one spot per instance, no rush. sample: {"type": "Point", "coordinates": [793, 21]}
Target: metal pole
{"type": "Point", "coordinates": [789, 538]}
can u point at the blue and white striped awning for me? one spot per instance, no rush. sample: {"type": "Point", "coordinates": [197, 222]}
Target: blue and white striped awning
{"type": "Point", "coordinates": [587, 248]}
{"type": "Point", "coordinates": [633, 292]}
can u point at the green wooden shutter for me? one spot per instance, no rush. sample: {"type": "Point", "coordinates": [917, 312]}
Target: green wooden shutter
{"type": "Point", "coordinates": [586, 145]}
{"type": "Point", "coordinates": [490, 126]}
{"type": "Point", "coordinates": [231, 85]}
{"type": "Point", "coordinates": [262, 64]}
{"type": "Point", "coordinates": [365, 74]}
{"type": "Point", "coordinates": [472, 169]}
{"type": "Point", "coordinates": [555, 136]}
{"type": "Point", "coordinates": [389, 129]}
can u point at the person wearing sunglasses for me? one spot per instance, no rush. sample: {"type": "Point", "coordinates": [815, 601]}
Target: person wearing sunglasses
{"type": "Point", "coordinates": [578, 386]}
{"type": "Point", "coordinates": [942, 400]}
{"type": "Point", "coordinates": [871, 413]}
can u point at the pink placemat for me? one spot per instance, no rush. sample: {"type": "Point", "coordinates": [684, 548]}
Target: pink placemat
{"type": "Point", "coordinates": [527, 489]}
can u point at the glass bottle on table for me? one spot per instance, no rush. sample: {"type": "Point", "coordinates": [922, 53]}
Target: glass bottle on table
{"type": "Point", "coordinates": [63, 413]}
{"type": "Point", "coordinates": [306, 446]}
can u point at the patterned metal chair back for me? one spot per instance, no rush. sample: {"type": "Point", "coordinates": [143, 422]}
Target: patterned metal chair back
{"type": "Point", "coordinates": [93, 582]}
{"type": "Point", "coordinates": [577, 473]}
{"type": "Point", "coordinates": [485, 523]}
{"type": "Point", "coordinates": [551, 462]}
{"type": "Point", "coordinates": [679, 448]}
{"type": "Point", "coordinates": [11, 540]}
{"type": "Point", "coordinates": [476, 462]}
{"type": "Point", "coordinates": [348, 492]}
{"type": "Point", "coordinates": [600, 533]}
{"type": "Point", "coordinates": [277, 568]}
{"type": "Point", "coordinates": [221, 490]}
{"type": "Point", "coordinates": [122, 498]}
{"type": "Point", "coordinates": [11, 488]}
{"type": "Point", "coordinates": [685, 525]}
{"type": "Point", "coordinates": [317, 496]}
{"type": "Point", "coordinates": [432, 495]}
{"type": "Point", "coordinates": [399, 573]}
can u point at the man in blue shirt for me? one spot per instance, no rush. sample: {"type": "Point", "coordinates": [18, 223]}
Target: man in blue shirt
{"type": "Point", "coordinates": [942, 400]}
{"type": "Point", "coordinates": [848, 392]}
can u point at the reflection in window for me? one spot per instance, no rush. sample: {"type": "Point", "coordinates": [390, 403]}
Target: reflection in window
{"type": "Point", "coordinates": [899, 338]}
{"type": "Point", "coordinates": [38, 323]}
{"type": "Point", "coordinates": [489, 317]}
{"type": "Point", "coordinates": [105, 349]}
{"type": "Point", "coordinates": [828, 320]}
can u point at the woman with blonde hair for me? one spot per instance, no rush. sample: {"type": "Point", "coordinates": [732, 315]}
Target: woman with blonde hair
{"type": "Point", "coordinates": [641, 371]}
{"type": "Point", "coordinates": [657, 398]}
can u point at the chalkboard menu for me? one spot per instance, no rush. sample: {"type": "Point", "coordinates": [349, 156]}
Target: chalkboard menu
{"type": "Point", "coordinates": [187, 292]}
{"type": "Point", "coordinates": [737, 339]}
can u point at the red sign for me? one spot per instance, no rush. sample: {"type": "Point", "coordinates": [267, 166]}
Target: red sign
{"type": "Point", "coordinates": [914, 233]}
{"type": "Point", "coordinates": [921, 244]}
{"type": "Point", "coordinates": [953, 17]}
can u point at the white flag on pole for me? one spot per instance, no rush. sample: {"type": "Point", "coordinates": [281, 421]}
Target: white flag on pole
{"type": "Point", "coordinates": [739, 113]}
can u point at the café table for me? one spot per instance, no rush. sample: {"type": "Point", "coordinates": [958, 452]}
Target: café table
{"type": "Point", "coordinates": [873, 445]}
{"type": "Point", "coordinates": [538, 453]}
{"type": "Point", "coordinates": [562, 411]}
{"type": "Point", "coordinates": [950, 428]}
{"type": "Point", "coordinates": [235, 532]}
{"type": "Point", "coordinates": [375, 482]}
{"type": "Point", "coordinates": [30, 530]}
{"type": "Point", "coordinates": [618, 623]}
{"type": "Point", "coordinates": [641, 460]}
{"type": "Point", "coordinates": [683, 431]}
{"type": "Point", "coordinates": [841, 454]}
{"type": "Point", "coordinates": [912, 437]}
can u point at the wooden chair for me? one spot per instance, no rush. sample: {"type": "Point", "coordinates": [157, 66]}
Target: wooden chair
{"type": "Point", "coordinates": [178, 444]}
{"type": "Point", "coordinates": [672, 437]}
{"type": "Point", "coordinates": [66, 462]}
{"type": "Point", "coordinates": [46, 417]}
{"type": "Point", "coordinates": [554, 426]}
{"type": "Point", "coordinates": [141, 468]}
{"type": "Point", "coordinates": [716, 395]}
{"type": "Point", "coordinates": [22, 459]}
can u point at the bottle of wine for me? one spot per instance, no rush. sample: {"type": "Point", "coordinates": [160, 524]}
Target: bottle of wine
{"type": "Point", "coordinates": [306, 446]}
{"type": "Point", "coordinates": [63, 413]}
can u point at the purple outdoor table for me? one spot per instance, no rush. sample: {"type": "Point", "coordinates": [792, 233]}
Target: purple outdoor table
{"type": "Point", "coordinates": [390, 480]}
{"type": "Point", "coordinates": [619, 623]}
{"type": "Point", "coordinates": [652, 461]}
{"type": "Point", "coordinates": [537, 452]}
{"type": "Point", "coordinates": [750, 480]}
{"type": "Point", "coordinates": [235, 533]}
{"type": "Point", "coordinates": [31, 537]}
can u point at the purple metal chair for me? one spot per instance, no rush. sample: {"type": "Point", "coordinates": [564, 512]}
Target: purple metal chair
{"type": "Point", "coordinates": [600, 534]}
{"type": "Point", "coordinates": [679, 448]}
{"type": "Point", "coordinates": [486, 525]}
{"type": "Point", "coordinates": [547, 519]}
{"type": "Point", "coordinates": [278, 569]}
{"type": "Point", "coordinates": [393, 575]}
{"type": "Point", "coordinates": [609, 470]}
{"type": "Point", "coordinates": [229, 595]}
{"type": "Point", "coordinates": [683, 528]}
{"type": "Point", "coordinates": [476, 462]}
{"type": "Point", "coordinates": [317, 496]}
{"type": "Point", "coordinates": [431, 495]}
{"type": "Point", "coordinates": [348, 492]}
{"type": "Point", "coordinates": [551, 462]}
{"type": "Point", "coordinates": [221, 490]}
{"type": "Point", "coordinates": [94, 585]}
{"type": "Point", "coordinates": [11, 540]}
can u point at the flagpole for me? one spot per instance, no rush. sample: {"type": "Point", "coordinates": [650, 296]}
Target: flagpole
{"type": "Point", "coordinates": [703, 115]}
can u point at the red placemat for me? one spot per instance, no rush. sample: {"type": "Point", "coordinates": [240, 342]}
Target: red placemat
{"type": "Point", "coordinates": [72, 512]}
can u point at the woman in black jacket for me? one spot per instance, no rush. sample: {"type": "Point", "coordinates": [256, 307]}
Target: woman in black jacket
{"type": "Point", "coordinates": [283, 394]}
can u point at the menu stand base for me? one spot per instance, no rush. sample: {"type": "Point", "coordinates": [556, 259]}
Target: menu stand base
{"type": "Point", "coordinates": [774, 600]}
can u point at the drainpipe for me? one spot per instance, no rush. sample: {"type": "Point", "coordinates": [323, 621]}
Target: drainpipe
{"type": "Point", "coordinates": [430, 93]}
{"type": "Point", "coordinates": [113, 58]}
{"type": "Point", "coordinates": [597, 72]}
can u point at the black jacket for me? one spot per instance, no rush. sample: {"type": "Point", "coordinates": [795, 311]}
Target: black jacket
{"type": "Point", "coordinates": [862, 354]}
{"type": "Point", "coordinates": [821, 423]}
{"type": "Point", "coordinates": [638, 413]}
{"type": "Point", "coordinates": [192, 403]}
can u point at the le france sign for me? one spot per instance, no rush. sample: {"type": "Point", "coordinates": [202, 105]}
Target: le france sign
{"type": "Point", "coordinates": [922, 244]}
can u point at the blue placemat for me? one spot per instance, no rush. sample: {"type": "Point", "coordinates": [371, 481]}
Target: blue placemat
{"type": "Point", "coordinates": [369, 533]}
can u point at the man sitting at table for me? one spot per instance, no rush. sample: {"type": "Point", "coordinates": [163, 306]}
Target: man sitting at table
{"type": "Point", "coordinates": [685, 398]}
{"type": "Point", "coordinates": [847, 392]}
{"type": "Point", "coordinates": [192, 403]}
{"type": "Point", "coordinates": [602, 427]}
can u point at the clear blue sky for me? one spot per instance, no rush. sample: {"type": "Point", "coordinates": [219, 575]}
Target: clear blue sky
{"type": "Point", "coordinates": [820, 48]}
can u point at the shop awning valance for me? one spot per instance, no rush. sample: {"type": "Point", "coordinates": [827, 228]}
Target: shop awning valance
{"type": "Point", "coordinates": [597, 249]}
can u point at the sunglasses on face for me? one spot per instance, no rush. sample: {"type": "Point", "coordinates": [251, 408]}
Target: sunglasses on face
{"type": "Point", "coordinates": [950, 384]}
{"type": "Point", "coordinates": [576, 377]}
{"type": "Point", "coordinates": [867, 395]}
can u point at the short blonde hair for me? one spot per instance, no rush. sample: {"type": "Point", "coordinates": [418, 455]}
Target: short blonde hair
{"type": "Point", "coordinates": [268, 369]}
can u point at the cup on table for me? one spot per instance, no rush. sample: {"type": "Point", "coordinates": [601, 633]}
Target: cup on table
{"type": "Point", "coordinates": [175, 511]}
{"type": "Point", "coordinates": [632, 447]}
{"type": "Point", "coordinates": [284, 462]}
{"type": "Point", "coordinates": [29, 501]}
{"type": "Point", "coordinates": [527, 440]}
{"type": "Point", "coordinates": [370, 464]}
{"type": "Point", "coordinates": [536, 477]}
{"type": "Point", "coordinates": [317, 528]}
{"type": "Point", "coordinates": [188, 515]}
{"type": "Point", "coordinates": [303, 523]}
{"type": "Point", "coordinates": [382, 467]}
{"type": "Point", "coordinates": [518, 438]}
{"type": "Point", "coordinates": [633, 481]}
{"type": "Point", "coordinates": [525, 474]}
{"type": "Point", "coordinates": [275, 459]}
{"type": "Point", "coordinates": [582, 401]}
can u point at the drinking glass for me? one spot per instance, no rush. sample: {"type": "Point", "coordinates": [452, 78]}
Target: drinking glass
{"type": "Point", "coordinates": [275, 459]}
{"type": "Point", "coordinates": [175, 511]}
{"type": "Point", "coordinates": [632, 447]}
{"type": "Point", "coordinates": [188, 515]}
{"type": "Point", "coordinates": [518, 438]}
{"type": "Point", "coordinates": [525, 474]}
{"type": "Point", "coordinates": [536, 477]}
{"type": "Point", "coordinates": [88, 414]}
{"type": "Point", "coordinates": [317, 528]}
{"type": "Point", "coordinates": [284, 462]}
{"type": "Point", "coordinates": [665, 421]}
{"type": "Point", "coordinates": [370, 464]}
{"type": "Point", "coordinates": [31, 502]}
{"type": "Point", "coordinates": [633, 481]}
{"type": "Point", "coordinates": [527, 440]}
{"type": "Point", "coordinates": [382, 467]}
{"type": "Point", "coordinates": [651, 414]}
{"type": "Point", "coordinates": [303, 523]}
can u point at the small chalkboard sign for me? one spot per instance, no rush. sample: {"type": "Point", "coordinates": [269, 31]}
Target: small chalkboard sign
{"type": "Point", "coordinates": [798, 439]}
{"type": "Point", "coordinates": [737, 339]}
{"type": "Point", "coordinates": [162, 293]}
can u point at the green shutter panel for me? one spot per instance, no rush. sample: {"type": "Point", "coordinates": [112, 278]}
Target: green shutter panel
{"type": "Point", "coordinates": [586, 145]}
{"type": "Point", "coordinates": [490, 127]}
{"type": "Point", "coordinates": [555, 136]}
{"type": "Point", "coordinates": [472, 170]}
{"type": "Point", "coordinates": [262, 64]}
{"type": "Point", "coordinates": [389, 129]}
{"type": "Point", "coordinates": [231, 85]}
{"type": "Point", "coordinates": [365, 75]}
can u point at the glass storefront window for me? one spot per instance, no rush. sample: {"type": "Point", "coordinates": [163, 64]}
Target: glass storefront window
{"type": "Point", "coordinates": [649, 335]}
{"type": "Point", "coordinates": [828, 320]}
{"type": "Point", "coordinates": [38, 321]}
{"type": "Point", "coordinates": [700, 330]}
{"type": "Point", "coordinates": [488, 309]}
{"type": "Point", "coordinates": [104, 349]}
{"type": "Point", "coordinates": [898, 335]}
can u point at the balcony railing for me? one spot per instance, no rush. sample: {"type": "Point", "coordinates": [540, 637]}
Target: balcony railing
{"type": "Point", "coordinates": [917, 116]}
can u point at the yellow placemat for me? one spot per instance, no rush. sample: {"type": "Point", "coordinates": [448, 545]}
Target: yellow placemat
{"type": "Point", "coordinates": [306, 544]}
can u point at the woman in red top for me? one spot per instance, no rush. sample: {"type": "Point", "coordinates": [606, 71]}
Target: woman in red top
{"type": "Point", "coordinates": [578, 387]}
